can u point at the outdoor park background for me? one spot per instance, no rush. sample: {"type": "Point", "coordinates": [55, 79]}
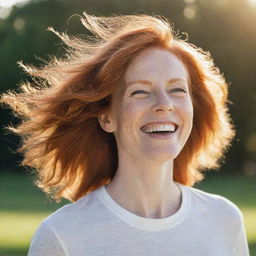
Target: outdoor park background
{"type": "Point", "coordinates": [225, 28]}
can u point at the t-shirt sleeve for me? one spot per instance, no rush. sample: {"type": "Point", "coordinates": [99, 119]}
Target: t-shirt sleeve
{"type": "Point", "coordinates": [45, 242]}
{"type": "Point", "coordinates": [241, 244]}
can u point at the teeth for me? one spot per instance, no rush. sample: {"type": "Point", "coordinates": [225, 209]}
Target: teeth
{"type": "Point", "coordinates": [161, 128]}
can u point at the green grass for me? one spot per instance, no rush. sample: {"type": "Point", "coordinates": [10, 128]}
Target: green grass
{"type": "Point", "coordinates": [23, 207]}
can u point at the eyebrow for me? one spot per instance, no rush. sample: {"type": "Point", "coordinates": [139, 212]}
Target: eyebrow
{"type": "Point", "coordinates": [146, 82]}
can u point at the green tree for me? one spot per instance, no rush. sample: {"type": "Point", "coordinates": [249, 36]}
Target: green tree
{"type": "Point", "coordinates": [224, 28]}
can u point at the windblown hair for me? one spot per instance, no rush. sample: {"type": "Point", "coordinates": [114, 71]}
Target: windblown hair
{"type": "Point", "coordinates": [61, 136]}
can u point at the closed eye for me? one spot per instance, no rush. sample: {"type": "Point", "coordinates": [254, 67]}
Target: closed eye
{"type": "Point", "coordinates": [178, 90]}
{"type": "Point", "coordinates": [138, 92]}
{"type": "Point", "coordinates": [145, 92]}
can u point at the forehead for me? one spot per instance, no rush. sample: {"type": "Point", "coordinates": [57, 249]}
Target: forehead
{"type": "Point", "coordinates": [155, 63]}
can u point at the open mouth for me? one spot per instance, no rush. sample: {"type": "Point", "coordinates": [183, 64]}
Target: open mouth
{"type": "Point", "coordinates": [162, 130]}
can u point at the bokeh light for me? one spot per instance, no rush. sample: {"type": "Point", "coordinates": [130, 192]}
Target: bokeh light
{"type": "Point", "coordinates": [190, 10]}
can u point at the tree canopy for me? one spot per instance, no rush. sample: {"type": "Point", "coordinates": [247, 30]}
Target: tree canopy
{"type": "Point", "coordinates": [224, 28]}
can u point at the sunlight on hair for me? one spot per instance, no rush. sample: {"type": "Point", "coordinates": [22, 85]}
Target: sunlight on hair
{"type": "Point", "coordinates": [62, 139]}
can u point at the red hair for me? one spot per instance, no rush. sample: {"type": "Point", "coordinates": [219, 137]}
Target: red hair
{"type": "Point", "coordinates": [62, 138]}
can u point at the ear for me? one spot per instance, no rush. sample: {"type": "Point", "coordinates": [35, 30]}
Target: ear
{"type": "Point", "coordinates": [106, 122]}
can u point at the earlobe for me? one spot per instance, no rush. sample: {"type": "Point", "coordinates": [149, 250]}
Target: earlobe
{"type": "Point", "coordinates": [105, 122]}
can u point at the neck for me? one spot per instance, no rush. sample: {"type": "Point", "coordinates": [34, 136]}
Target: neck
{"type": "Point", "coordinates": [146, 190]}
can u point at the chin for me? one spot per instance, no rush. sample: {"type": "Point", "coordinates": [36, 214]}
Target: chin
{"type": "Point", "coordinates": [163, 156]}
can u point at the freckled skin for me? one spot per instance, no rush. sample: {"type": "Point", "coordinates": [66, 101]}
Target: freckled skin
{"type": "Point", "coordinates": [159, 102]}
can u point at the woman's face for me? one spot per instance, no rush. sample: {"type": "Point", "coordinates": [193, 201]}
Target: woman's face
{"type": "Point", "coordinates": [151, 114]}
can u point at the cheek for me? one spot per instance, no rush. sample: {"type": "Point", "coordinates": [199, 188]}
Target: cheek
{"type": "Point", "coordinates": [132, 110]}
{"type": "Point", "coordinates": [130, 119]}
{"type": "Point", "coordinates": [187, 112]}
{"type": "Point", "coordinates": [127, 114]}
{"type": "Point", "coordinates": [190, 114]}
{"type": "Point", "coordinates": [190, 111]}
{"type": "Point", "coordinates": [184, 102]}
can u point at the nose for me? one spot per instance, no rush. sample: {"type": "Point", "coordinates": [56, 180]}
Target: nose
{"type": "Point", "coordinates": [163, 103]}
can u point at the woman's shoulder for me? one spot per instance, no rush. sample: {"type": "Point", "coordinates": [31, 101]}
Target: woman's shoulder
{"type": "Point", "coordinates": [214, 204]}
{"type": "Point", "coordinates": [71, 211]}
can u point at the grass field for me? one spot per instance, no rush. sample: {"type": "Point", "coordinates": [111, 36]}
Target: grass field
{"type": "Point", "coordinates": [23, 206]}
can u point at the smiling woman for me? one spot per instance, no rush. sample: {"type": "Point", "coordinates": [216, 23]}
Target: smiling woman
{"type": "Point", "coordinates": [124, 127]}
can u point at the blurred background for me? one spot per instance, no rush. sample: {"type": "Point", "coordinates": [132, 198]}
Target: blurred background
{"type": "Point", "coordinates": [225, 28]}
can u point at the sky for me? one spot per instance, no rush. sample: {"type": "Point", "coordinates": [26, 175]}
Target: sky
{"type": "Point", "coordinates": [10, 3]}
{"type": "Point", "coordinates": [6, 6]}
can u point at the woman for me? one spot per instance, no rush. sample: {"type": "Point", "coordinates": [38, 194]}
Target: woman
{"type": "Point", "coordinates": [123, 128]}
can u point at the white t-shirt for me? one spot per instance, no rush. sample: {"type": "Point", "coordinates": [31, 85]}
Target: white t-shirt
{"type": "Point", "coordinates": [205, 225]}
